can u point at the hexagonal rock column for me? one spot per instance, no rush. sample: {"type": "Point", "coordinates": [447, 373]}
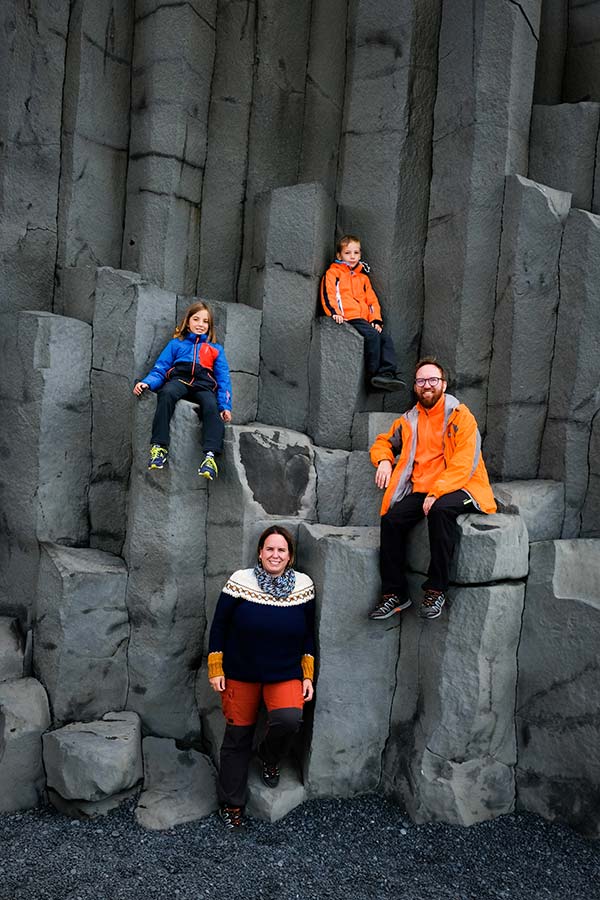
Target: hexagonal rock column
{"type": "Point", "coordinates": [385, 154]}
{"type": "Point", "coordinates": [582, 61]}
{"type": "Point", "coordinates": [481, 130]}
{"type": "Point", "coordinates": [174, 47]}
{"type": "Point", "coordinates": [81, 632]}
{"type": "Point", "coordinates": [355, 665]}
{"type": "Point", "coordinates": [540, 504]}
{"type": "Point", "coordinates": [90, 768]}
{"type": "Point", "coordinates": [533, 217]}
{"type": "Point", "coordinates": [558, 773]}
{"type": "Point", "coordinates": [562, 148]}
{"type": "Point", "coordinates": [12, 647]}
{"type": "Point", "coordinates": [95, 134]}
{"type": "Point", "coordinates": [451, 751]}
{"type": "Point", "coordinates": [45, 391]}
{"type": "Point", "coordinates": [179, 785]}
{"type": "Point", "coordinates": [299, 230]}
{"type": "Point", "coordinates": [24, 716]}
{"type": "Point", "coordinates": [550, 62]}
{"type": "Point", "coordinates": [133, 321]}
{"type": "Point", "coordinates": [574, 399]}
{"type": "Point", "coordinates": [32, 50]}
{"type": "Point", "coordinates": [165, 550]}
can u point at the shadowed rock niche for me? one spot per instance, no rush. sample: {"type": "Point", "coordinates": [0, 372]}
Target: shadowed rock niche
{"type": "Point", "coordinates": [277, 474]}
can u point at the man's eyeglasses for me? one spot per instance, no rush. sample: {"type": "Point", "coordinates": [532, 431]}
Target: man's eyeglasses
{"type": "Point", "coordinates": [432, 382]}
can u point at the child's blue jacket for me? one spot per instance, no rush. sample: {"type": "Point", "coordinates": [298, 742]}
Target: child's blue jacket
{"type": "Point", "coordinates": [194, 361]}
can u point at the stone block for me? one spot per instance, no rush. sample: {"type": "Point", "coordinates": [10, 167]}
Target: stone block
{"type": "Point", "coordinates": [562, 148]}
{"type": "Point", "coordinates": [95, 760]}
{"type": "Point", "coordinates": [24, 716]}
{"type": "Point", "coordinates": [491, 104]}
{"type": "Point", "coordinates": [524, 326]}
{"type": "Point", "coordinates": [173, 57]}
{"type": "Point", "coordinates": [355, 664]}
{"type": "Point", "coordinates": [95, 134]}
{"type": "Point", "coordinates": [540, 504]}
{"type": "Point", "coordinates": [32, 50]}
{"type": "Point", "coordinates": [45, 393]}
{"type": "Point", "coordinates": [582, 60]}
{"type": "Point", "coordinates": [273, 804]}
{"type": "Point", "coordinates": [179, 785]}
{"type": "Point", "coordinates": [558, 773]}
{"type": "Point", "coordinates": [330, 467]}
{"type": "Point", "coordinates": [550, 62]}
{"type": "Point", "coordinates": [362, 498]}
{"type": "Point", "coordinates": [76, 292]}
{"type": "Point", "coordinates": [86, 810]}
{"type": "Point", "coordinates": [12, 649]}
{"type": "Point", "coordinates": [573, 399]}
{"type": "Point", "coordinates": [81, 632]}
{"type": "Point", "coordinates": [383, 183]}
{"type": "Point", "coordinates": [366, 426]}
{"type": "Point", "coordinates": [590, 522]}
{"type": "Point", "coordinates": [490, 548]}
{"type": "Point", "coordinates": [165, 551]}
{"type": "Point", "coordinates": [452, 748]}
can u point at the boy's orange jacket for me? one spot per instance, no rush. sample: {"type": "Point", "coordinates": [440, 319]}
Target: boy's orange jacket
{"type": "Point", "coordinates": [465, 469]}
{"type": "Point", "coordinates": [348, 292]}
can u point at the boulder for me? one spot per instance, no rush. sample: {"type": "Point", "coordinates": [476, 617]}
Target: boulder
{"type": "Point", "coordinates": [558, 772]}
{"type": "Point", "coordinates": [95, 760]}
{"type": "Point", "coordinates": [540, 504]}
{"type": "Point", "coordinates": [12, 649]}
{"type": "Point", "coordinates": [179, 785]}
{"type": "Point", "coordinates": [24, 716]}
{"type": "Point", "coordinates": [81, 632]}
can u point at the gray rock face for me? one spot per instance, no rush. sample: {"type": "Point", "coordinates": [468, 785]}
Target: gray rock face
{"type": "Point", "coordinates": [540, 504]}
{"type": "Point", "coordinates": [366, 426]}
{"type": "Point", "coordinates": [355, 664]}
{"type": "Point", "coordinates": [524, 326]}
{"type": "Point", "coordinates": [491, 105]}
{"type": "Point", "coordinates": [45, 392]}
{"type": "Point", "coordinates": [24, 716]}
{"type": "Point", "coordinates": [490, 548]}
{"type": "Point", "coordinates": [590, 524]}
{"type": "Point", "coordinates": [12, 647]}
{"type": "Point", "coordinates": [76, 292]}
{"type": "Point", "coordinates": [558, 774]}
{"type": "Point", "coordinates": [452, 749]}
{"type": "Point", "coordinates": [32, 49]}
{"type": "Point", "coordinates": [165, 552]}
{"type": "Point", "coordinates": [179, 785]}
{"type": "Point", "coordinates": [81, 632]}
{"type": "Point", "coordinates": [167, 147]}
{"type": "Point", "coordinates": [362, 498]}
{"type": "Point", "coordinates": [581, 79]}
{"type": "Point", "coordinates": [573, 398]}
{"type": "Point", "coordinates": [549, 70]}
{"type": "Point", "coordinates": [330, 467]}
{"type": "Point", "coordinates": [562, 149]}
{"type": "Point", "coordinates": [96, 760]}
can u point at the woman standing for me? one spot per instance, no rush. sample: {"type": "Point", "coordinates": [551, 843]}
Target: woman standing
{"type": "Point", "coordinates": [261, 646]}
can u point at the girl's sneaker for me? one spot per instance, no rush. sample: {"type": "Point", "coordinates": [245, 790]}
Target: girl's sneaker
{"type": "Point", "coordinates": [158, 457]}
{"type": "Point", "coordinates": [208, 468]}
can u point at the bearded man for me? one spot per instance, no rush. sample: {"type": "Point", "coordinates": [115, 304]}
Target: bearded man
{"type": "Point", "coordinates": [429, 463]}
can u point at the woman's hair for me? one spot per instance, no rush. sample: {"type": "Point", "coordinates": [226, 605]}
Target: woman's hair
{"type": "Point", "coordinates": [431, 361]}
{"type": "Point", "coordinates": [344, 241]}
{"type": "Point", "coordinates": [276, 529]}
{"type": "Point", "coordinates": [182, 330]}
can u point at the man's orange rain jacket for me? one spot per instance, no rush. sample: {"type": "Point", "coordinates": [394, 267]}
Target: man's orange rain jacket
{"type": "Point", "coordinates": [348, 293]}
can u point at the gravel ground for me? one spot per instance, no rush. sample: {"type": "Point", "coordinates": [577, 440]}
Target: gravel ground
{"type": "Point", "coordinates": [350, 849]}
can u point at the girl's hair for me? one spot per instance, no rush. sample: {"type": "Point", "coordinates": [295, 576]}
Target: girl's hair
{"type": "Point", "coordinates": [182, 330]}
{"type": "Point", "coordinates": [276, 529]}
{"type": "Point", "coordinates": [344, 241]}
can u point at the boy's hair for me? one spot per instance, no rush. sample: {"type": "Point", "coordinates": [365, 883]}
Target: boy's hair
{"type": "Point", "coordinates": [344, 241]}
{"type": "Point", "coordinates": [182, 330]}
{"type": "Point", "coordinates": [431, 361]}
{"type": "Point", "coordinates": [276, 529]}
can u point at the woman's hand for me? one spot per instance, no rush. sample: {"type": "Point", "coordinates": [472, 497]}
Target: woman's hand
{"type": "Point", "coordinates": [307, 689]}
{"type": "Point", "coordinates": [140, 387]}
{"type": "Point", "coordinates": [383, 473]}
{"type": "Point", "coordinates": [226, 415]}
{"type": "Point", "coordinates": [217, 683]}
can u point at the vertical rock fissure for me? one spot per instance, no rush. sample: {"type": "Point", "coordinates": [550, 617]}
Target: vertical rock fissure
{"type": "Point", "coordinates": [60, 156]}
{"type": "Point", "coordinates": [496, 298]}
{"type": "Point", "coordinates": [129, 120]}
{"type": "Point", "coordinates": [308, 49]}
{"type": "Point", "coordinates": [594, 168]}
{"type": "Point", "coordinates": [516, 702]}
{"type": "Point", "coordinates": [392, 701]}
{"type": "Point", "coordinates": [206, 151]}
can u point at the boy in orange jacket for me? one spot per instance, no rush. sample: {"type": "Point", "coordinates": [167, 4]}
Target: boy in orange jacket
{"type": "Point", "coordinates": [347, 296]}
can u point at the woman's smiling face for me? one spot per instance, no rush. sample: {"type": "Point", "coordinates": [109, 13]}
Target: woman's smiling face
{"type": "Point", "coordinates": [274, 554]}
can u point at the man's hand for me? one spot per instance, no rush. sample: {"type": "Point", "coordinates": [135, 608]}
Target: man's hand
{"type": "Point", "coordinates": [338, 319]}
{"type": "Point", "coordinates": [383, 474]}
{"type": "Point", "coordinates": [428, 503]}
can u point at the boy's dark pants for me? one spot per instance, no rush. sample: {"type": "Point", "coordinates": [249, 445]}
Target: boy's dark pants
{"type": "Point", "coordinates": [213, 427]}
{"type": "Point", "coordinates": [380, 355]}
{"type": "Point", "coordinates": [441, 523]}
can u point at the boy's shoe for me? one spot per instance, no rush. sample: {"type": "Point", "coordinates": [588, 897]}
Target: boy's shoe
{"type": "Point", "coordinates": [158, 457]}
{"type": "Point", "coordinates": [270, 775]}
{"type": "Point", "coordinates": [386, 382]}
{"type": "Point", "coordinates": [208, 468]}
{"type": "Point", "coordinates": [432, 604]}
{"type": "Point", "coordinates": [390, 604]}
{"type": "Point", "coordinates": [232, 816]}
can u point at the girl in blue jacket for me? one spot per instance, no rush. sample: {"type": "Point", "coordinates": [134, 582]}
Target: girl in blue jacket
{"type": "Point", "coordinates": [192, 367]}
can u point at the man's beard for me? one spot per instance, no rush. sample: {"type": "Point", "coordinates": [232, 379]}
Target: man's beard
{"type": "Point", "coordinates": [429, 401]}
